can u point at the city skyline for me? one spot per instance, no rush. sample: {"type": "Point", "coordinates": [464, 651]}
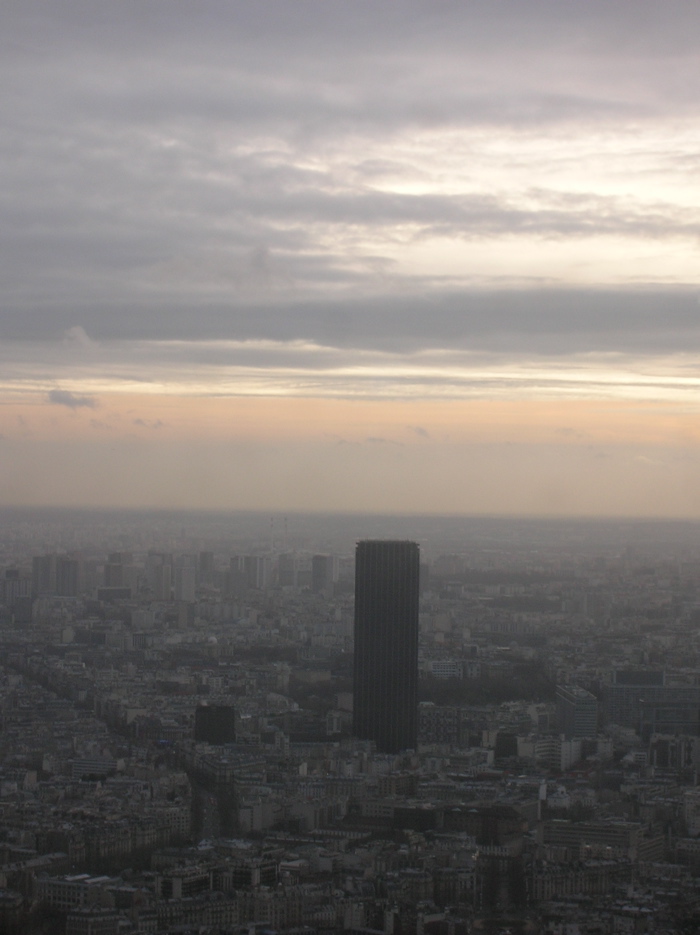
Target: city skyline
{"type": "Point", "coordinates": [351, 257]}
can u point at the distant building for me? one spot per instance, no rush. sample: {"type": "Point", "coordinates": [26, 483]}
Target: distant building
{"type": "Point", "coordinates": [15, 586]}
{"type": "Point", "coordinates": [93, 766]}
{"type": "Point", "coordinates": [640, 699]}
{"type": "Point", "coordinates": [256, 569]}
{"type": "Point", "coordinates": [162, 582]}
{"type": "Point", "coordinates": [324, 572]}
{"type": "Point", "coordinates": [67, 576]}
{"type": "Point", "coordinates": [89, 920]}
{"type": "Point", "coordinates": [445, 668]}
{"type": "Point", "coordinates": [577, 710]}
{"type": "Point", "coordinates": [670, 717]}
{"type": "Point", "coordinates": [205, 568]}
{"type": "Point", "coordinates": [114, 575]}
{"type": "Point", "coordinates": [442, 724]}
{"type": "Point", "coordinates": [43, 575]}
{"type": "Point", "coordinates": [55, 575]}
{"type": "Point", "coordinates": [159, 569]}
{"type": "Point", "coordinates": [185, 582]}
{"type": "Point", "coordinates": [385, 696]}
{"type": "Point", "coordinates": [120, 571]}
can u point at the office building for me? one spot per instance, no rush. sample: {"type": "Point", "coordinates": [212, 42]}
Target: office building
{"type": "Point", "coordinates": [159, 568]}
{"type": "Point", "coordinates": [121, 572]}
{"type": "Point", "coordinates": [55, 575]}
{"type": "Point", "coordinates": [67, 576]}
{"type": "Point", "coordinates": [205, 568]}
{"type": "Point", "coordinates": [385, 695]}
{"type": "Point", "coordinates": [577, 710]}
{"type": "Point", "coordinates": [16, 585]}
{"type": "Point", "coordinates": [641, 699]}
{"type": "Point", "coordinates": [678, 716]}
{"type": "Point", "coordinates": [43, 575]}
{"type": "Point", "coordinates": [324, 573]}
{"type": "Point", "coordinates": [16, 595]}
{"type": "Point", "coordinates": [257, 571]}
{"type": "Point", "coordinates": [249, 572]}
{"type": "Point", "coordinates": [161, 578]}
{"type": "Point", "coordinates": [185, 580]}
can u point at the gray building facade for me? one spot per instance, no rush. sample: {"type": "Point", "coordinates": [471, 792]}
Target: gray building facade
{"type": "Point", "coordinates": [385, 684]}
{"type": "Point", "coordinates": [577, 710]}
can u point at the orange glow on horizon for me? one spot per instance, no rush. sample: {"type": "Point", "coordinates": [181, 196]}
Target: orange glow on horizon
{"type": "Point", "coordinates": [567, 422]}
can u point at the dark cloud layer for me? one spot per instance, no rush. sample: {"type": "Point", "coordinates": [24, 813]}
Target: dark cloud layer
{"type": "Point", "coordinates": [180, 171]}
{"type": "Point", "coordinates": [537, 321]}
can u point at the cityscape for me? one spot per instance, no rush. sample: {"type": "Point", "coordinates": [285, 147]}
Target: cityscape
{"type": "Point", "coordinates": [349, 467]}
{"type": "Point", "coordinates": [185, 748]}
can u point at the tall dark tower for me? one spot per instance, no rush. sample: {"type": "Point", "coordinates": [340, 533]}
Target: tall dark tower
{"type": "Point", "coordinates": [215, 724]}
{"type": "Point", "coordinates": [385, 688]}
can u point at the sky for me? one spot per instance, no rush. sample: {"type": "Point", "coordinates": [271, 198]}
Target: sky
{"type": "Point", "coordinates": [432, 257]}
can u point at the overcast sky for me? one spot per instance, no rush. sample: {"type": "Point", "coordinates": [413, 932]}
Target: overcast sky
{"type": "Point", "coordinates": [418, 256]}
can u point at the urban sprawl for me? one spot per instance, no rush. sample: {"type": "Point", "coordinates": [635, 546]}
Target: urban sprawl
{"type": "Point", "coordinates": [178, 752]}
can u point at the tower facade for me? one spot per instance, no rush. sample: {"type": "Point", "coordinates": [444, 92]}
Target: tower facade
{"type": "Point", "coordinates": [215, 724]}
{"type": "Point", "coordinates": [577, 710]}
{"type": "Point", "coordinates": [385, 686]}
{"type": "Point", "coordinates": [324, 573]}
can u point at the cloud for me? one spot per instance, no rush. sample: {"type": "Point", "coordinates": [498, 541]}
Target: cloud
{"type": "Point", "coordinates": [280, 196]}
{"type": "Point", "coordinates": [71, 400]}
{"type": "Point", "coordinates": [149, 424]}
{"type": "Point", "coordinates": [77, 335]}
{"type": "Point", "coordinates": [646, 320]}
{"type": "Point", "coordinates": [378, 440]}
{"type": "Point", "coordinates": [188, 162]}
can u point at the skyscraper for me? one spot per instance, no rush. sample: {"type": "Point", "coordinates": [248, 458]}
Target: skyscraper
{"type": "Point", "coordinates": [385, 696]}
{"type": "Point", "coordinates": [215, 724]}
{"type": "Point", "coordinates": [324, 573]}
{"type": "Point", "coordinates": [67, 576]}
{"type": "Point", "coordinates": [43, 575]}
{"type": "Point", "coordinates": [205, 568]}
